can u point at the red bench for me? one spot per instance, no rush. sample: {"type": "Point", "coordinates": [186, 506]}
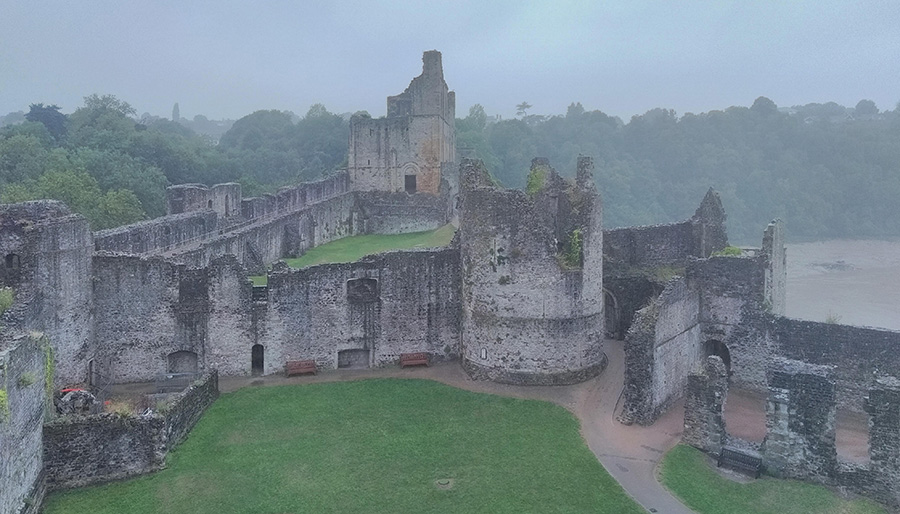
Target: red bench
{"type": "Point", "coordinates": [413, 359]}
{"type": "Point", "coordinates": [299, 367]}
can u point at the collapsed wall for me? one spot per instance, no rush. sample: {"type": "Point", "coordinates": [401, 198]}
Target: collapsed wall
{"type": "Point", "coordinates": [532, 277]}
{"type": "Point", "coordinates": [637, 261]}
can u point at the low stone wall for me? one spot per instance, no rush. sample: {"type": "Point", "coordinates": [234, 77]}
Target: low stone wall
{"type": "Point", "coordinates": [84, 450]}
{"type": "Point", "coordinates": [400, 213]}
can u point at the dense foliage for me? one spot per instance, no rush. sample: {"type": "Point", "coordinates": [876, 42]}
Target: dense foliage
{"type": "Point", "coordinates": [827, 170]}
{"type": "Point", "coordinates": [113, 169]}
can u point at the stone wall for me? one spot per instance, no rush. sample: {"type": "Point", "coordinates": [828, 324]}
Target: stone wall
{"type": "Point", "coordinates": [224, 199]}
{"type": "Point", "coordinates": [528, 317]}
{"type": "Point", "coordinates": [399, 213]}
{"type": "Point", "coordinates": [84, 450]}
{"type": "Point", "coordinates": [704, 407]}
{"type": "Point", "coordinates": [379, 307]}
{"type": "Point", "coordinates": [858, 354]}
{"type": "Point", "coordinates": [662, 348]}
{"type": "Point", "coordinates": [146, 309]}
{"type": "Point", "coordinates": [23, 386]}
{"type": "Point", "coordinates": [159, 234]}
{"type": "Point", "coordinates": [295, 198]}
{"type": "Point", "coordinates": [800, 414]}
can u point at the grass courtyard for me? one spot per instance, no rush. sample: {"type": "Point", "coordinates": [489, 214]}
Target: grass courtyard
{"type": "Point", "coordinates": [686, 472]}
{"type": "Point", "coordinates": [386, 445]}
{"type": "Point", "coordinates": [350, 249]}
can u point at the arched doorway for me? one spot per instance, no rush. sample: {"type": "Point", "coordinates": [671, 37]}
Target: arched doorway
{"type": "Point", "coordinates": [257, 362]}
{"type": "Point", "coordinates": [182, 362]}
{"type": "Point", "coordinates": [611, 316]}
{"type": "Point", "coordinates": [718, 348]}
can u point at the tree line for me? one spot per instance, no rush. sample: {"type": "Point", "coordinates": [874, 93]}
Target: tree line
{"type": "Point", "coordinates": [827, 170]}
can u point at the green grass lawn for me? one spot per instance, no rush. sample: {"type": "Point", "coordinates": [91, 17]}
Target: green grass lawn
{"type": "Point", "coordinates": [370, 446]}
{"type": "Point", "coordinates": [686, 472]}
{"type": "Point", "coordinates": [350, 249]}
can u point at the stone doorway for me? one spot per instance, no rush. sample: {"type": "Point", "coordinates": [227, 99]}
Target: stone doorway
{"type": "Point", "coordinates": [353, 359]}
{"type": "Point", "coordinates": [257, 360]}
{"type": "Point", "coordinates": [182, 362]}
{"type": "Point", "coordinates": [719, 349]}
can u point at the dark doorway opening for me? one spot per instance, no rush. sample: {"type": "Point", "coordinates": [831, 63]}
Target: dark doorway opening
{"type": "Point", "coordinates": [12, 261]}
{"type": "Point", "coordinates": [257, 363]}
{"type": "Point", "coordinates": [718, 348]}
{"type": "Point", "coordinates": [182, 362]}
{"type": "Point", "coordinates": [209, 204]}
{"type": "Point", "coordinates": [611, 315]}
{"type": "Point", "coordinates": [410, 183]}
{"type": "Point", "coordinates": [227, 206]}
{"type": "Point", "coordinates": [353, 359]}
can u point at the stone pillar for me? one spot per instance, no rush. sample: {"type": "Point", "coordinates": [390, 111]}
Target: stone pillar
{"type": "Point", "coordinates": [883, 406]}
{"type": "Point", "coordinates": [800, 422]}
{"type": "Point", "coordinates": [704, 404]}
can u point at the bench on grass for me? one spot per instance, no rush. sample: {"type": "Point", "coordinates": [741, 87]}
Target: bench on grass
{"type": "Point", "coordinates": [413, 359]}
{"type": "Point", "coordinates": [740, 461]}
{"type": "Point", "coordinates": [299, 367]}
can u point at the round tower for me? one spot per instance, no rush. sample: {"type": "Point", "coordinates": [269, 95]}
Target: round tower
{"type": "Point", "coordinates": [532, 277]}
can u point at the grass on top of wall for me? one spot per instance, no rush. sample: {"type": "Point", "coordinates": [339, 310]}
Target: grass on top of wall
{"type": "Point", "coordinates": [688, 473]}
{"type": "Point", "coordinates": [383, 445]}
{"type": "Point", "coordinates": [351, 249]}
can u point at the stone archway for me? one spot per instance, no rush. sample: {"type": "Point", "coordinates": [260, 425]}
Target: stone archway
{"type": "Point", "coordinates": [182, 362]}
{"type": "Point", "coordinates": [720, 349]}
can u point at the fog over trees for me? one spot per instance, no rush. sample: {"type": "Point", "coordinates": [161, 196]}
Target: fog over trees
{"type": "Point", "coordinates": [827, 170]}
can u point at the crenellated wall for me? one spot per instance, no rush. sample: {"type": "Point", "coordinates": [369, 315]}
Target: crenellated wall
{"type": "Point", "coordinates": [224, 199]}
{"type": "Point", "coordinates": [159, 234]}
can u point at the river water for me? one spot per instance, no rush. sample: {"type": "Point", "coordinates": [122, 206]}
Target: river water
{"type": "Point", "coordinates": [851, 282]}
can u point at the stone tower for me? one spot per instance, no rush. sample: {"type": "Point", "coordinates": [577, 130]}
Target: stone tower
{"type": "Point", "coordinates": [47, 254]}
{"type": "Point", "coordinates": [532, 277]}
{"type": "Point", "coordinates": [407, 150]}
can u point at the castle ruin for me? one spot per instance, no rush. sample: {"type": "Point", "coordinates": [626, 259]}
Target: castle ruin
{"type": "Point", "coordinates": [523, 295]}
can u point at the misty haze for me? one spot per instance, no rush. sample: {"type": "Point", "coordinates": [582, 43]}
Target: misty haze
{"type": "Point", "coordinates": [623, 209]}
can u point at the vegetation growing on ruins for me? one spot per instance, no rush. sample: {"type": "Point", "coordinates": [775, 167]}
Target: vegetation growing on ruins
{"type": "Point", "coordinates": [572, 255]}
{"type": "Point", "coordinates": [728, 251]}
{"type": "Point", "coordinates": [688, 473]}
{"type": "Point", "coordinates": [287, 449]}
{"type": "Point", "coordinates": [352, 249]}
{"type": "Point", "coordinates": [6, 299]}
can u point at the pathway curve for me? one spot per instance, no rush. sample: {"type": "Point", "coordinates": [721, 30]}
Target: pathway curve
{"type": "Point", "coordinates": [629, 453]}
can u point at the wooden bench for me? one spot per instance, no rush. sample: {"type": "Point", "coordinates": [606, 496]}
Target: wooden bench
{"type": "Point", "coordinates": [740, 461]}
{"type": "Point", "coordinates": [413, 359]}
{"type": "Point", "coordinates": [299, 367]}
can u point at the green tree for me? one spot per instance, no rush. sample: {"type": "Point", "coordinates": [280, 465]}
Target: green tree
{"type": "Point", "coordinates": [522, 108]}
{"type": "Point", "coordinates": [50, 117]}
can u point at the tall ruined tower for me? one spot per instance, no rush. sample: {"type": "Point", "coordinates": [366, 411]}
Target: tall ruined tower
{"type": "Point", "coordinates": [47, 253]}
{"type": "Point", "coordinates": [407, 150]}
{"type": "Point", "coordinates": [532, 277]}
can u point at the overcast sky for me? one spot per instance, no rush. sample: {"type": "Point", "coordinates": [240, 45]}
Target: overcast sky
{"type": "Point", "coordinates": [226, 59]}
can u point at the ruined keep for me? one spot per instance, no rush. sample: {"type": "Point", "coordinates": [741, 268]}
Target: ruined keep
{"type": "Point", "coordinates": [411, 149]}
